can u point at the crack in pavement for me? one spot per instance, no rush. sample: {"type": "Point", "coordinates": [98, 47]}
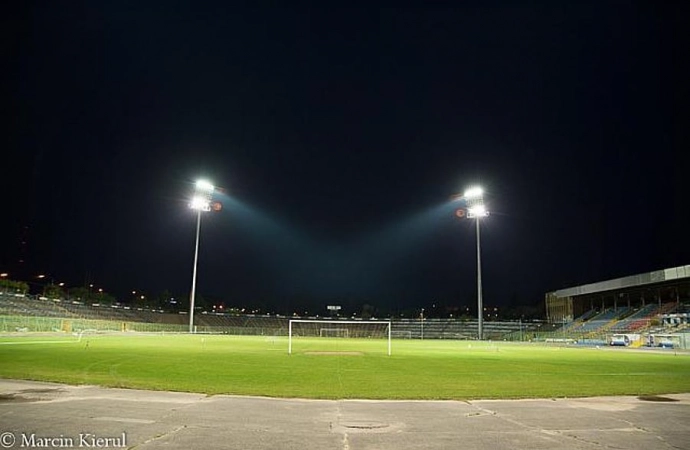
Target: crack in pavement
{"type": "Point", "coordinates": [559, 433]}
{"type": "Point", "coordinates": [159, 436]}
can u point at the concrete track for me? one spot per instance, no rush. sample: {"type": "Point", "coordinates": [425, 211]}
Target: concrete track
{"type": "Point", "coordinates": [61, 416]}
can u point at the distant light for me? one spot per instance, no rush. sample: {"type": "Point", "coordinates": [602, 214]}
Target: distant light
{"type": "Point", "coordinates": [474, 192]}
{"type": "Point", "coordinates": [203, 185]}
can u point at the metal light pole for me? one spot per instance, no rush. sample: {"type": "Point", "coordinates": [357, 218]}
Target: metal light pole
{"type": "Point", "coordinates": [480, 305]}
{"type": "Point", "coordinates": [4, 284]}
{"type": "Point", "coordinates": [421, 321]}
{"type": "Point", "coordinates": [192, 296]}
{"type": "Point", "coordinates": [200, 202]}
{"type": "Point", "coordinates": [476, 210]}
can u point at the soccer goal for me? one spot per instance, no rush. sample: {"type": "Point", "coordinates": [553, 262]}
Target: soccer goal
{"type": "Point", "coordinates": [325, 331]}
{"type": "Point", "coordinates": [334, 332]}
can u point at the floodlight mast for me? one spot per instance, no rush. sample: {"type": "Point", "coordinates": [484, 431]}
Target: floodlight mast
{"type": "Point", "coordinates": [200, 202]}
{"type": "Point", "coordinates": [476, 210]}
{"type": "Point", "coordinates": [480, 304]}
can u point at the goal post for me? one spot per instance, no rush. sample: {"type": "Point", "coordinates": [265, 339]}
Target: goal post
{"type": "Point", "coordinates": [334, 332]}
{"type": "Point", "coordinates": [339, 329]}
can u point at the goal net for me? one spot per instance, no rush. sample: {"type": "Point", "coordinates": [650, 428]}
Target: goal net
{"type": "Point", "coordinates": [339, 335]}
{"type": "Point", "coordinates": [334, 332]}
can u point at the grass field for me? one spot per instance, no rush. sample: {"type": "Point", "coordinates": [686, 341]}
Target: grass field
{"type": "Point", "coordinates": [343, 368]}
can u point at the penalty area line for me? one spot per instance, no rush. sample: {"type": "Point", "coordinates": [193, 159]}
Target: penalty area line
{"type": "Point", "coordinates": [73, 341]}
{"type": "Point", "coordinates": [40, 342]}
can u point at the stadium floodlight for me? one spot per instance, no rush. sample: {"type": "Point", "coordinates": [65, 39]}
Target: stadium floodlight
{"type": "Point", "coordinates": [477, 211]}
{"type": "Point", "coordinates": [204, 186]}
{"type": "Point", "coordinates": [201, 201]}
{"type": "Point", "coordinates": [474, 192]}
{"type": "Point", "coordinates": [474, 197]}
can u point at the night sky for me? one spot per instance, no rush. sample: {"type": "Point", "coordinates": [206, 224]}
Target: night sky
{"type": "Point", "coordinates": [339, 137]}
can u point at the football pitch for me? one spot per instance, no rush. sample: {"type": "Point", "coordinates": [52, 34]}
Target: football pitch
{"type": "Point", "coordinates": [342, 368]}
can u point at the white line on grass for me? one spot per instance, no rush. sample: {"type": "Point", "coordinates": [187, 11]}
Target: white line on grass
{"type": "Point", "coordinates": [40, 342]}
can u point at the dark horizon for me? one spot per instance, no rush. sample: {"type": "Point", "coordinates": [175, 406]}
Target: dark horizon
{"type": "Point", "coordinates": [339, 136]}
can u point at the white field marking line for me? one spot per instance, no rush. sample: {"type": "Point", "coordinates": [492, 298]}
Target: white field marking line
{"type": "Point", "coordinates": [79, 336]}
{"type": "Point", "coordinates": [39, 342]}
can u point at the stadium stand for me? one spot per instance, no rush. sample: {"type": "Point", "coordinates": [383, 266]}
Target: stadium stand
{"type": "Point", "coordinates": [637, 320]}
{"type": "Point", "coordinates": [127, 318]}
{"type": "Point", "coordinates": [19, 304]}
{"type": "Point", "coordinates": [434, 328]}
{"type": "Point", "coordinates": [600, 321]}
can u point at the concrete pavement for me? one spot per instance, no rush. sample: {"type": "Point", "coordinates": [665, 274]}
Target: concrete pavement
{"type": "Point", "coordinates": [48, 415]}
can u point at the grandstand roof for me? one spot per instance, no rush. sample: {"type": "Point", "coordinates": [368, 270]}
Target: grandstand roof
{"type": "Point", "coordinates": [658, 276]}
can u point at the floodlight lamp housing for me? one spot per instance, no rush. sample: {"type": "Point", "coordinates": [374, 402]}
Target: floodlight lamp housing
{"type": "Point", "coordinates": [477, 211]}
{"type": "Point", "coordinates": [200, 203]}
{"type": "Point", "coordinates": [474, 192]}
{"type": "Point", "coordinates": [204, 186]}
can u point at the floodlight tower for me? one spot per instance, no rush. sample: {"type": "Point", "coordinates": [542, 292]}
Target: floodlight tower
{"type": "Point", "coordinates": [476, 210]}
{"type": "Point", "coordinates": [201, 202]}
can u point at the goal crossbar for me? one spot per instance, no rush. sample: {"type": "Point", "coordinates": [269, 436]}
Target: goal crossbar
{"type": "Point", "coordinates": [336, 323]}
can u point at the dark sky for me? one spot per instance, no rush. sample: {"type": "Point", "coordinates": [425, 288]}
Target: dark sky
{"type": "Point", "coordinates": [339, 136]}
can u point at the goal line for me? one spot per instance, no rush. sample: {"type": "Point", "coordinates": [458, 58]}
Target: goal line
{"type": "Point", "coordinates": [336, 326]}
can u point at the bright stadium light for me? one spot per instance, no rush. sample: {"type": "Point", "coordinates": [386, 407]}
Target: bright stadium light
{"type": "Point", "coordinates": [201, 201]}
{"type": "Point", "coordinates": [474, 197]}
{"type": "Point", "coordinates": [474, 192]}
{"type": "Point", "coordinates": [477, 211]}
{"type": "Point", "coordinates": [204, 186]}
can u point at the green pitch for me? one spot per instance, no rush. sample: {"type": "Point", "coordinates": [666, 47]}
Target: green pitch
{"type": "Point", "coordinates": [336, 368]}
